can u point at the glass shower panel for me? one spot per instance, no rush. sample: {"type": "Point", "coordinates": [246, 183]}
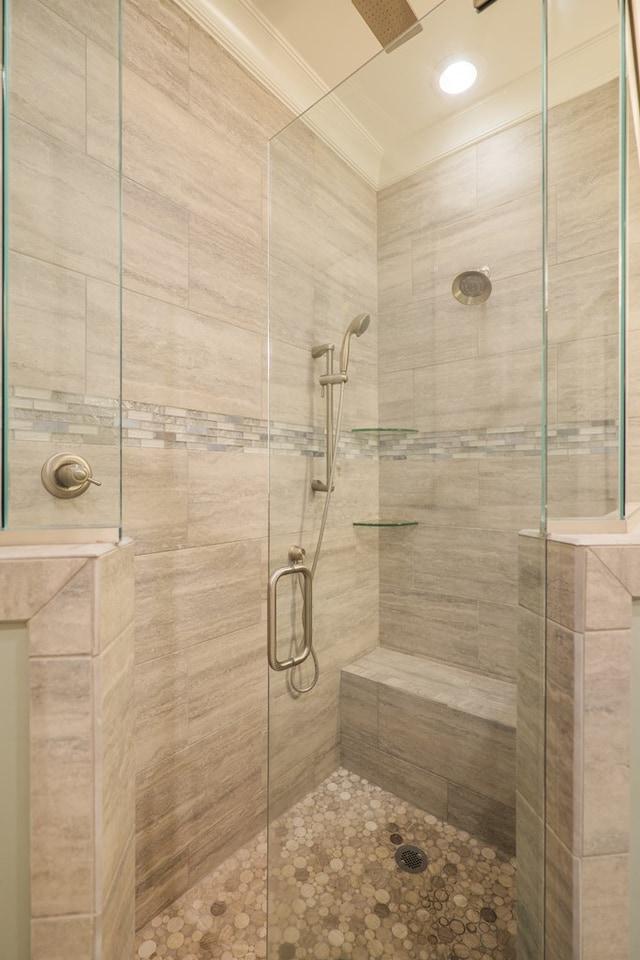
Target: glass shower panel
{"type": "Point", "coordinates": [585, 391]}
{"type": "Point", "coordinates": [61, 390]}
{"type": "Point", "coordinates": [392, 773]}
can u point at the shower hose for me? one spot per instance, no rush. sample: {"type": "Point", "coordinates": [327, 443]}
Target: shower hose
{"type": "Point", "coordinates": [316, 553]}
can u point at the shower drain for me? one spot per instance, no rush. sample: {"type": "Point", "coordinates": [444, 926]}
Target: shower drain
{"type": "Point", "coordinates": [411, 859]}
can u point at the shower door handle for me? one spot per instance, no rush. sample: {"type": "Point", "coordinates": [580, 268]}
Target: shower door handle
{"type": "Point", "coordinates": [307, 619]}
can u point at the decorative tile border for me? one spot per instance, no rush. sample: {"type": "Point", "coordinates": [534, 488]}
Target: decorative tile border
{"type": "Point", "coordinates": [48, 415]}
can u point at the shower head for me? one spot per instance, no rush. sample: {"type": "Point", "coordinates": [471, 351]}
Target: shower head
{"type": "Point", "coordinates": [472, 287]}
{"type": "Point", "coordinates": [356, 328]}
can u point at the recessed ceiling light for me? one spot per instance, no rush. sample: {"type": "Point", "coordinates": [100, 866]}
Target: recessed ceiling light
{"type": "Point", "coordinates": [458, 77]}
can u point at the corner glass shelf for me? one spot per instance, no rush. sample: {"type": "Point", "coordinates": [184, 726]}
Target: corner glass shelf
{"type": "Point", "coordinates": [385, 523]}
{"type": "Point", "coordinates": [384, 430]}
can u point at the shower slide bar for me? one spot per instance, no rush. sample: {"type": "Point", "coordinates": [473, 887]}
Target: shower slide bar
{"type": "Point", "coordinates": [298, 569]}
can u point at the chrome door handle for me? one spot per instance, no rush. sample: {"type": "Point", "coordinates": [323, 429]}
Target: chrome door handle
{"type": "Point", "coordinates": [307, 619]}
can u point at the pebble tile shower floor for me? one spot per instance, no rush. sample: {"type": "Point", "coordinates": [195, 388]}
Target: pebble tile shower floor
{"type": "Point", "coordinates": [337, 893]}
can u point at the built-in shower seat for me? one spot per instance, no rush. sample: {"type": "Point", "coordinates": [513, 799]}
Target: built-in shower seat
{"type": "Point", "coordinates": [436, 735]}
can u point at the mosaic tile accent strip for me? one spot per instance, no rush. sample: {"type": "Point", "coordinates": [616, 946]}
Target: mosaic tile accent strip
{"type": "Point", "coordinates": [46, 414]}
{"type": "Point", "coordinates": [337, 892]}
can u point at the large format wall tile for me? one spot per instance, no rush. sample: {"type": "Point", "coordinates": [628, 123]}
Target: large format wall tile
{"type": "Point", "coordinates": [157, 45]}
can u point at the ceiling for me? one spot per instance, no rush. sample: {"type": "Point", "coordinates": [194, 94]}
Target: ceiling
{"type": "Point", "coordinates": [389, 118]}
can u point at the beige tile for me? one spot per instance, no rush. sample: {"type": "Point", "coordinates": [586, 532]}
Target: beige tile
{"type": "Point", "coordinates": [497, 638]}
{"type": "Point", "coordinates": [427, 332]}
{"type": "Point", "coordinates": [607, 742]}
{"type": "Point", "coordinates": [407, 780]}
{"type": "Point", "coordinates": [453, 745]}
{"type": "Point", "coordinates": [156, 45]}
{"type": "Point", "coordinates": [100, 21]}
{"type": "Point", "coordinates": [583, 133]}
{"type": "Point", "coordinates": [44, 169]}
{"type": "Point", "coordinates": [27, 585]}
{"type": "Point", "coordinates": [172, 153]}
{"type": "Point", "coordinates": [483, 817]}
{"type": "Point", "coordinates": [292, 306]}
{"type": "Point", "coordinates": [103, 106]}
{"type": "Point", "coordinates": [47, 336]}
{"type": "Point", "coordinates": [530, 905]}
{"type": "Point", "coordinates": [498, 391]}
{"type": "Point", "coordinates": [566, 567]}
{"type": "Point", "coordinates": [227, 680]}
{"type": "Point", "coordinates": [604, 928]}
{"type": "Point", "coordinates": [587, 211]}
{"type": "Point", "coordinates": [162, 715]}
{"type": "Point", "coordinates": [399, 273]}
{"type": "Point", "coordinates": [473, 563]}
{"type": "Point", "coordinates": [430, 625]}
{"type": "Point", "coordinates": [190, 361]}
{"type": "Point", "coordinates": [31, 505]}
{"type": "Point", "coordinates": [358, 709]}
{"type": "Point", "coordinates": [297, 781]}
{"type": "Point", "coordinates": [159, 888]}
{"type": "Point", "coordinates": [396, 400]}
{"type": "Point", "coordinates": [165, 816]}
{"type": "Point", "coordinates": [564, 766]}
{"type": "Point", "coordinates": [588, 379]}
{"type": "Point", "coordinates": [531, 711]}
{"type": "Point", "coordinates": [583, 298]}
{"type": "Point", "coordinates": [65, 625]}
{"type": "Point", "coordinates": [303, 727]}
{"type": "Point", "coordinates": [531, 573]}
{"type": "Point", "coordinates": [607, 602]}
{"type": "Point", "coordinates": [115, 593]}
{"type": "Point", "coordinates": [156, 245]}
{"type": "Point", "coordinates": [59, 938]}
{"type": "Point", "coordinates": [497, 333]}
{"type": "Point", "coordinates": [47, 73]}
{"type": "Point", "coordinates": [225, 97]}
{"type": "Point", "coordinates": [561, 899]}
{"type": "Point", "coordinates": [443, 491]}
{"type": "Point", "coordinates": [509, 163]}
{"type": "Point", "coordinates": [62, 785]}
{"type": "Point", "coordinates": [155, 498]}
{"type": "Point", "coordinates": [189, 596]}
{"type": "Point", "coordinates": [115, 775]}
{"type": "Point", "coordinates": [229, 835]}
{"type": "Point", "coordinates": [584, 486]}
{"type": "Point", "coordinates": [227, 277]}
{"type": "Point", "coordinates": [118, 927]}
{"type": "Point", "coordinates": [509, 492]}
{"type": "Point", "coordinates": [102, 360]}
{"type": "Point", "coordinates": [624, 564]}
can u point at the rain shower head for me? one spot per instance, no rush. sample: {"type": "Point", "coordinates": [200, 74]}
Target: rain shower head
{"type": "Point", "coordinates": [392, 22]}
{"type": "Point", "coordinates": [356, 328]}
{"type": "Point", "coordinates": [472, 286]}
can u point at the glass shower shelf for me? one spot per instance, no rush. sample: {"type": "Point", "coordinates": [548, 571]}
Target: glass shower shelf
{"type": "Point", "coordinates": [385, 523]}
{"type": "Point", "coordinates": [384, 430]}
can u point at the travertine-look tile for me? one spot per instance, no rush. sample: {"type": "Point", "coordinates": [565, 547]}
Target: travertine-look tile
{"type": "Point", "coordinates": [604, 919]}
{"type": "Point", "coordinates": [561, 894]}
{"type": "Point", "coordinates": [583, 133]}
{"type": "Point", "coordinates": [47, 336]}
{"type": "Point", "coordinates": [587, 212]}
{"type": "Point", "coordinates": [531, 706]}
{"type": "Point", "coordinates": [45, 46]}
{"type": "Point", "coordinates": [26, 585]}
{"type": "Point", "coordinates": [102, 359]}
{"type": "Point", "coordinates": [118, 919]}
{"type": "Point", "coordinates": [497, 633]}
{"type": "Point", "coordinates": [88, 242]}
{"type": "Point", "coordinates": [189, 596]}
{"type": "Point", "coordinates": [564, 735]}
{"type": "Point", "coordinates": [161, 725]}
{"type": "Point", "coordinates": [227, 497]}
{"type": "Point", "coordinates": [62, 782]}
{"type": "Point", "coordinates": [588, 379]}
{"type": "Point", "coordinates": [168, 880]}
{"type": "Point", "coordinates": [65, 625]}
{"type": "Point", "coordinates": [624, 563]}
{"type": "Point", "coordinates": [566, 584]}
{"type": "Point", "coordinates": [530, 905]}
{"type": "Point", "coordinates": [486, 818]}
{"type": "Point", "coordinates": [607, 743]}
{"type": "Point", "coordinates": [190, 361]}
{"type": "Point", "coordinates": [430, 625]}
{"type": "Point", "coordinates": [583, 298]}
{"type": "Point", "coordinates": [156, 245]}
{"type": "Point", "coordinates": [115, 763]}
{"type": "Point", "coordinates": [156, 45]}
{"type": "Point", "coordinates": [227, 277]}
{"type": "Point", "coordinates": [100, 21]}
{"type": "Point", "coordinates": [103, 105]}
{"type": "Point", "coordinates": [115, 593]}
{"type": "Point", "coordinates": [358, 709]}
{"type": "Point", "coordinates": [59, 938]}
{"type": "Point", "coordinates": [508, 163]}
{"type": "Point", "coordinates": [607, 602]}
{"type": "Point", "coordinates": [531, 573]}
{"type": "Point", "coordinates": [427, 332]}
{"type": "Point", "coordinates": [155, 498]}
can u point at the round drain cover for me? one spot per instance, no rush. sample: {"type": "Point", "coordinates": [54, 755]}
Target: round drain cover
{"type": "Point", "coordinates": [411, 859]}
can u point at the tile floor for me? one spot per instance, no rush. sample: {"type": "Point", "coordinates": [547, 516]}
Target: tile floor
{"type": "Point", "coordinates": [337, 893]}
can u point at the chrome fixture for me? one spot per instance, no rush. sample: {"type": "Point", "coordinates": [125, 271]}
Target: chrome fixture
{"type": "Point", "coordinates": [66, 475]}
{"type": "Point", "coordinates": [472, 287]}
{"type": "Point", "coordinates": [296, 567]}
{"type": "Point", "coordinates": [327, 381]}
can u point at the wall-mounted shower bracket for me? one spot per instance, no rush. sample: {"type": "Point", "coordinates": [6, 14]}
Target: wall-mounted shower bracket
{"type": "Point", "coordinates": [295, 568]}
{"type": "Point", "coordinates": [327, 381]}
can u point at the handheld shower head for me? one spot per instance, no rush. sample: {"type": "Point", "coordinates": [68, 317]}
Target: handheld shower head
{"type": "Point", "coordinates": [357, 327]}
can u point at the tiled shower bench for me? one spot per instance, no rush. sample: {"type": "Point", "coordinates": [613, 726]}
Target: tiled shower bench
{"type": "Point", "coordinates": [436, 735]}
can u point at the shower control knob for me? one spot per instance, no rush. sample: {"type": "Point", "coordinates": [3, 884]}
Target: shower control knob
{"type": "Point", "coordinates": [67, 475]}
